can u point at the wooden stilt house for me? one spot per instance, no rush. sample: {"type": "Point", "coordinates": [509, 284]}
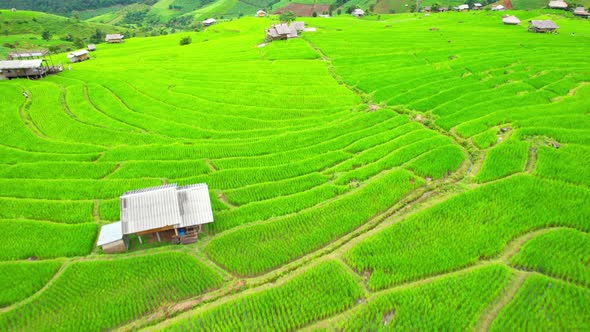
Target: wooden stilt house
{"type": "Point", "coordinates": [169, 212]}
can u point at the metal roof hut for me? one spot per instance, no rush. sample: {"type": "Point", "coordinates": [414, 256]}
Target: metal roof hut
{"type": "Point", "coordinates": [542, 26]}
{"type": "Point", "coordinates": [164, 208]}
{"type": "Point", "coordinates": [298, 25]}
{"type": "Point", "coordinates": [111, 239]}
{"type": "Point", "coordinates": [22, 68]}
{"type": "Point", "coordinates": [91, 47]}
{"type": "Point", "coordinates": [209, 21]}
{"type": "Point", "coordinates": [498, 8]}
{"type": "Point", "coordinates": [27, 55]}
{"type": "Point", "coordinates": [358, 12]}
{"type": "Point", "coordinates": [260, 13]}
{"type": "Point", "coordinates": [463, 7]}
{"type": "Point", "coordinates": [78, 56]}
{"type": "Point", "coordinates": [477, 6]}
{"type": "Point", "coordinates": [581, 12]}
{"type": "Point", "coordinates": [281, 32]}
{"type": "Point", "coordinates": [114, 38]}
{"type": "Point", "coordinates": [510, 20]}
{"type": "Point", "coordinates": [557, 4]}
{"type": "Point", "coordinates": [427, 9]}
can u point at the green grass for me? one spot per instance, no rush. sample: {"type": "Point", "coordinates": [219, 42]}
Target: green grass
{"type": "Point", "coordinates": [96, 295]}
{"type": "Point", "coordinates": [296, 159]}
{"type": "Point", "coordinates": [466, 228]}
{"type": "Point", "coordinates": [262, 247]}
{"type": "Point", "coordinates": [315, 294]}
{"type": "Point", "coordinates": [22, 279]}
{"type": "Point", "coordinates": [546, 304]}
{"type": "Point", "coordinates": [563, 254]}
{"type": "Point", "coordinates": [39, 239]}
{"type": "Point", "coordinates": [452, 303]}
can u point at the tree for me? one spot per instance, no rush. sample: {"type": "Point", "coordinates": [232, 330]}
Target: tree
{"type": "Point", "coordinates": [435, 7]}
{"type": "Point", "coordinates": [185, 40]}
{"type": "Point", "coordinates": [339, 11]}
{"type": "Point", "coordinates": [314, 14]}
{"type": "Point", "coordinates": [79, 43]}
{"type": "Point", "coordinates": [46, 35]}
{"type": "Point", "coordinates": [76, 15]}
{"type": "Point", "coordinates": [287, 17]}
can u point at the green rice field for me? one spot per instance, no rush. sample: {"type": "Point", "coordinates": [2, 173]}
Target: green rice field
{"type": "Point", "coordinates": [401, 172]}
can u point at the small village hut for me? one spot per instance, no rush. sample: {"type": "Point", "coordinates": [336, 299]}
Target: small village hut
{"type": "Point", "coordinates": [114, 38]}
{"type": "Point", "coordinates": [209, 21]}
{"type": "Point", "coordinates": [557, 4]}
{"type": "Point", "coordinates": [498, 8]}
{"type": "Point", "coordinates": [78, 56]}
{"type": "Point", "coordinates": [22, 68]}
{"type": "Point", "coordinates": [477, 6]}
{"type": "Point", "coordinates": [510, 20]}
{"type": "Point", "coordinates": [463, 7]}
{"type": "Point", "coordinates": [427, 9]}
{"type": "Point", "coordinates": [358, 12]}
{"type": "Point", "coordinates": [170, 211]}
{"type": "Point", "coordinates": [581, 12]}
{"type": "Point", "coordinates": [542, 26]}
{"type": "Point", "coordinates": [281, 31]}
{"type": "Point", "coordinates": [260, 13]}
{"type": "Point", "coordinates": [91, 47]}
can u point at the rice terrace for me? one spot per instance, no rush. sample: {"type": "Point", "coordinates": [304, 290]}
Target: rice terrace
{"type": "Point", "coordinates": [210, 166]}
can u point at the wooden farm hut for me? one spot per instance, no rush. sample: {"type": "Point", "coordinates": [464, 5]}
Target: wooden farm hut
{"type": "Point", "coordinates": [78, 56]}
{"type": "Point", "coordinates": [542, 26]}
{"type": "Point", "coordinates": [22, 68]}
{"type": "Point", "coordinates": [510, 20]}
{"type": "Point", "coordinates": [114, 38]}
{"type": "Point", "coordinates": [581, 12]}
{"type": "Point", "coordinates": [177, 212]}
{"type": "Point", "coordinates": [427, 9]}
{"type": "Point", "coordinates": [281, 32]}
{"type": "Point", "coordinates": [111, 239]}
{"type": "Point", "coordinates": [91, 47]}
{"type": "Point", "coordinates": [27, 55]}
{"type": "Point", "coordinates": [358, 12]}
{"type": "Point", "coordinates": [209, 21]}
{"type": "Point", "coordinates": [260, 13]}
{"type": "Point", "coordinates": [477, 6]}
{"type": "Point", "coordinates": [557, 4]}
{"type": "Point", "coordinates": [498, 8]}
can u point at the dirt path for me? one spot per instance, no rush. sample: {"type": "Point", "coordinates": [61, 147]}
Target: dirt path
{"type": "Point", "coordinates": [506, 295]}
{"type": "Point", "coordinates": [26, 117]}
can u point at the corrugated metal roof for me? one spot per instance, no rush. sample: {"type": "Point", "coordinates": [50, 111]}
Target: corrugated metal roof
{"type": "Point", "coordinates": [300, 26]}
{"type": "Point", "coordinates": [20, 64]}
{"type": "Point", "coordinates": [195, 205]}
{"type": "Point", "coordinates": [546, 24]}
{"type": "Point", "coordinates": [77, 53]}
{"type": "Point", "coordinates": [114, 36]}
{"type": "Point", "coordinates": [28, 54]}
{"type": "Point", "coordinates": [557, 4]}
{"type": "Point", "coordinates": [510, 20]}
{"type": "Point", "coordinates": [110, 233]}
{"type": "Point", "coordinates": [282, 29]}
{"type": "Point", "coordinates": [167, 205]}
{"type": "Point", "coordinates": [150, 208]}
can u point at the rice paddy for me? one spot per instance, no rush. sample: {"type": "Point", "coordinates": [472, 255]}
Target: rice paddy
{"type": "Point", "coordinates": [405, 172]}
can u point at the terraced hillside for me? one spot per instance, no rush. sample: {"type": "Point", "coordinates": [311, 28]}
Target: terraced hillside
{"type": "Point", "coordinates": [415, 172]}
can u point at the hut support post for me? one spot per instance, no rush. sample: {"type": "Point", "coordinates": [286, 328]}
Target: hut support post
{"type": "Point", "coordinates": [139, 238]}
{"type": "Point", "coordinates": [158, 236]}
{"type": "Point", "coordinates": [176, 231]}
